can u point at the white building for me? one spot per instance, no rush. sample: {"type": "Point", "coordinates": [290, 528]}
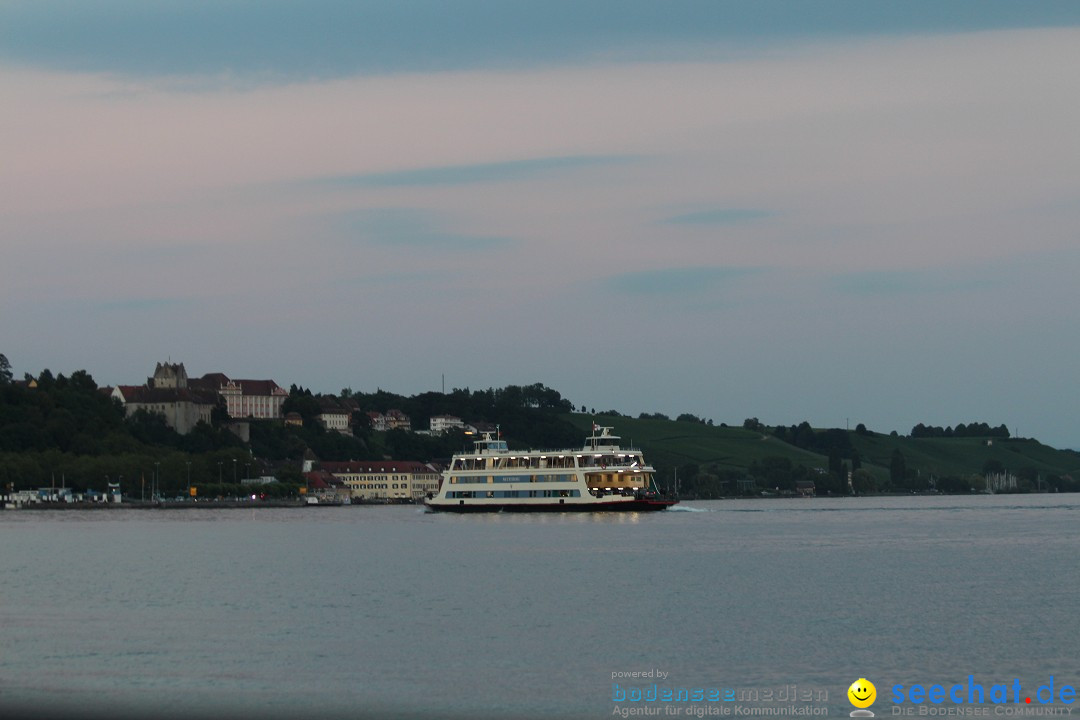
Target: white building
{"type": "Point", "coordinates": [334, 417]}
{"type": "Point", "coordinates": [445, 423]}
{"type": "Point", "coordinates": [385, 480]}
{"type": "Point", "coordinates": [258, 399]}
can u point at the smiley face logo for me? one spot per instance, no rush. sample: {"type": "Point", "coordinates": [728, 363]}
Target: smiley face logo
{"type": "Point", "coordinates": [862, 693]}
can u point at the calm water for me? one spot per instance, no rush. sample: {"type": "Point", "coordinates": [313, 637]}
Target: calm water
{"type": "Point", "coordinates": [392, 612]}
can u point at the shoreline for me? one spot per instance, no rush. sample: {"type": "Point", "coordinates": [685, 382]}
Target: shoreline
{"type": "Point", "coordinates": [298, 503]}
{"type": "Point", "coordinates": [202, 505]}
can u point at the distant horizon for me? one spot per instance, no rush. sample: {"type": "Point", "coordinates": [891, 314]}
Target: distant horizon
{"type": "Point", "coordinates": [814, 211]}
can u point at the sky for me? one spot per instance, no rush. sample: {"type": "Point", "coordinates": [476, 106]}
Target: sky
{"type": "Point", "coordinates": [834, 211]}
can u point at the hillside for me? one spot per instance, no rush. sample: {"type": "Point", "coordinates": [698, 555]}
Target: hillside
{"type": "Point", "coordinates": [669, 444]}
{"type": "Point", "coordinates": [965, 456]}
{"type": "Point", "coordinates": [67, 430]}
{"type": "Point", "coordinates": [729, 453]}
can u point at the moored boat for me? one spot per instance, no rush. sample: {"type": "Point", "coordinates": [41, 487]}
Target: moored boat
{"type": "Point", "coordinates": [601, 476]}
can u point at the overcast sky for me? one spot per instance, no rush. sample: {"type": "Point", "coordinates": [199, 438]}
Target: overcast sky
{"type": "Point", "coordinates": [838, 212]}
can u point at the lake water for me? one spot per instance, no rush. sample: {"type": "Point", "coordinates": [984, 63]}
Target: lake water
{"type": "Point", "coordinates": [394, 612]}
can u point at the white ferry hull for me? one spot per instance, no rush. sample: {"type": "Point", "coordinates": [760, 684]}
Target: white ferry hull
{"type": "Point", "coordinates": [635, 505]}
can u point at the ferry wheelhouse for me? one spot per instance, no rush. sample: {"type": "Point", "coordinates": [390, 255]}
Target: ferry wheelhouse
{"type": "Point", "coordinates": [600, 476]}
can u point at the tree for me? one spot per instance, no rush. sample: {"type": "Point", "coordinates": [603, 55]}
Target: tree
{"type": "Point", "coordinates": [897, 468]}
{"type": "Point", "coordinates": [776, 472]}
{"type": "Point", "coordinates": [804, 435]}
{"type": "Point", "coordinates": [688, 473]}
{"type": "Point", "coordinates": [653, 416]}
{"type": "Point", "coordinates": [5, 370]}
{"type": "Point", "coordinates": [863, 482]}
{"type": "Point", "coordinates": [836, 465]}
{"type": "Point", "coordinates": [303, 402]}
{"type": "Point", "coordinates": [219, 414]}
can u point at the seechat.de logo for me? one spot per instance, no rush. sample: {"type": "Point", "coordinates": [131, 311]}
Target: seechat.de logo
{"type": "Point", "coordinates": [862, 695]}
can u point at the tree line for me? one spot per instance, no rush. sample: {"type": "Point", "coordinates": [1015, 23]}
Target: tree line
{"type": "Point", "coordinates": [65, 430]}
{"type": "Point", "coordinates": [976, 429]}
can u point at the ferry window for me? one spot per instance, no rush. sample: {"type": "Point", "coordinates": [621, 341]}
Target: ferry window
{"type": "Point", "coordinates": [491, 493]}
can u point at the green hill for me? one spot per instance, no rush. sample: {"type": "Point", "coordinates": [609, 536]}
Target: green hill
{"type": "Point", "coordinates": [731, 453]}
{"type": "Point", "coordinates": [668, 443]}
{"type": "Point", "coordinates": [967, 456]}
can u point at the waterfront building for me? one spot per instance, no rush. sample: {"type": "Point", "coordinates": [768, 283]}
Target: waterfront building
{"type": "Point", "coordinates": [385, 480]}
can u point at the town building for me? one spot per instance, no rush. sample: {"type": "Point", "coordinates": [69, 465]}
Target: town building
{"type": "Point", "coordinates": [184, 402]}
{"type": "Point", "coordinates": [169, 394]}
{"type": "Point", "coordinates": [392, 420]}
{"type": "Point", "coordinates": [333, 416]}
{"type": "Point", "coordinates": [256, 399]}
{"type": "Point", "coordinates": [385, 480]}
{"type": "Point", "coordinates": [324, 487]}
{"type": "Point", "coordinates": [441, 424]}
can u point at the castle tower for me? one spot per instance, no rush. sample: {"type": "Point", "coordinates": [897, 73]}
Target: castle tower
{"type": "Point", "coordinates": [169, 375]}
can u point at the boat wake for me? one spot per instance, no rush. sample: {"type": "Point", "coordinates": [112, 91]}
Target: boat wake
{"type": "Point", "coordinates": [684, 508]}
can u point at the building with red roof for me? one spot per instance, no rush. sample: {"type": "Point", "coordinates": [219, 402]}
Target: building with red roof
{"type": "Point", "coordinates": [168, 394]}
{"type": "Point", "coordinates": [256, 399]}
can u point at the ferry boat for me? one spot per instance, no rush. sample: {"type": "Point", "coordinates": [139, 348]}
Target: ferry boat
{"type": "Point", "coordinates": [600, 476]}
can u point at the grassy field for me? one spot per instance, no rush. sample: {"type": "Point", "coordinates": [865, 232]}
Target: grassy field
{"type": "Point", "coordinates": [668, 444]}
